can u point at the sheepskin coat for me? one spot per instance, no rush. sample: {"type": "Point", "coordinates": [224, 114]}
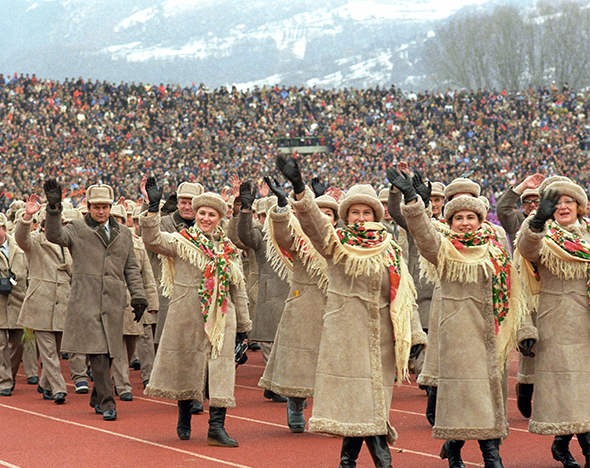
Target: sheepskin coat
{"type": "Point", "coordinates": [10, 305]}
{"type": "Point", "coordinates": [562, 362]}
{"type": "Point", "coordinates": [183, 368]}
{"type": "Point", "coordinates": [356, 364]}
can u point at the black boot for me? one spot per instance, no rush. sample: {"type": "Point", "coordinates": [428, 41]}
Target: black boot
{"type": "Point", "coordinates": [183, 429]}
{"type": "Point", "coordinates": [524, 398]}
{"type": "Point", "coordinates": [431, 405]}
{"type": "Point", "coordinates": [379, 451]}
{"type": "Point", "coordinates": [295, 418]}
{"type": "Point", "coordinates": [196, 407]}
{"type": "Point", "coordinates": [451, 449]}
{"type": "Point", "coordinates": [584, 441]}
{"type": "Point", "coordinates": [561, 451]}
{"type": "Point", "coordinates": [490, 450]}
{"type": "Point", "coordinates": [351, 446]}
{"type": "Point", "coordinates": [216, 434]}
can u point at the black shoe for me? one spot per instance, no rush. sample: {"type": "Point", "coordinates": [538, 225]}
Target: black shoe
{"type": "Point", "coordinates": [126, 396]}
{"type": "Point", "coordinates": [295, 418]}
{"type": "Point", "coordinates": [89, 374]}
{"type": "Point", "coordinates": [561, 451]}
{"type": "Point", "coordinates": [33, 380]}
{"type": "Point", "coordinates": [216, 435]}
{"type": "Point", "coordinates": [65, 356]}
{"type": "Point", "coordinates": [524, 397]}
{"type": "Point", "coordinates": [5, 392]}
{"type": "Point", "coordinates": [491, 454]}
{"type": "Point", "coordinates": [451, 450]}
{"type": "Point", "coordinates": [59, 398]}
{"type": "Point", "coordinates": [196, 407]}
{"type": "Point", "coordinates": [183, 428]}
{"type": "Point", "coordinates": [40, 389]}
{"type": "Point", "coordinates": [109, 414]}
{"type": "Point", "coordinates": [254, 346]}
{"type": "Point", "coordinates": [47, 395]}
{"type": "Point", "coordinates": [275, 397]}
{"type": "Point", "coordinates": [135, 364]}
{"type": "Point", "coordinates": [146, 382]}
{"type": "Point", "coordinates": [97, 409]}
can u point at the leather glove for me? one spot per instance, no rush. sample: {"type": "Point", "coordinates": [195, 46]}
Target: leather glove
{"type": "Point", "coordinates": [241, 337]}
{"type": "Point", "coordinates": [290, 169]}
{"type": "Point", "coordinates": [423, 188]}
{"type": "Point", "coordinates": [547, 206]}
{"type": "Point", "coordinates": [403, 182]}
{"type": "Point", "coordinates": [416, 350]}
{"type": "Point", "coordinates": [318, 187]}
{"type": "Point", "coordinates": [171, 204]}
{"type": "Point", "coordinates": [154, 195]}
{"type": "Point", "coordinates": [276, 188]}
{"type": "Point", "coordinates": [138, 306]}
{"type": "Point", "coordinates": [526, 346]}
{"type": "Point", "coordinates": [247, 194]}
{"type": "Point", "coordinates": [52, 190]}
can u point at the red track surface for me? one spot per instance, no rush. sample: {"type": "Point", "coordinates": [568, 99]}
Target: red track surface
{"type": "Point", "coordinates": [40, 434]}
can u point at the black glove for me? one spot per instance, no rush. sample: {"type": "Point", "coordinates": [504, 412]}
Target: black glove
{"type": "Point", "coordinates": [276, 188]}
{"type": "Point", "coordinates": [138, 306]}
{"type": "Point", "coordinates": [423, 188]}
{"type": "Point", "coordinates": [318, 187]}
{"type": "Point", "coordinates": [403, 182]}
{"type": "Point", "coordinates": [416, 350]}
{"type": "Point", "coordinates": [240, 350]}
{"type": "Point", "coordinates": [241, 337]}
{"type": "Point", "coordinates": [247, 194]}
{"type": "Point", "coordinates": [290, 169]}
{"type": "Point", "coordinates": [52, 190]}
{"type": "Point", "coordinates": [171, 204]}
{"type": "Point", "coordinates": [547, 206]}
{"type": "Point", "coordinates": [526, 346]}
{"type": "Point", "coordinates": [154, 194]}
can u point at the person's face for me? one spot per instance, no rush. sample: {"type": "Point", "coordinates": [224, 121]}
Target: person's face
{"type": "Point", "coordinates": [330, 214]}
{"type": "Point", "coordinates": [529, 204]}
{"type": "Point", "coordinates": [119, 220]}
{"type": "Point", "coordinates": [436, 202]}
{"type": "Point", "coordinates": [567, 211]}
{"type": "Point", "coordinates": [386, 214]}
{"type": "Point", "coordinates": [207, 219]}
{"type": "Point", "coordinates": [261, 218]}
{"type": "Point", "coordinates": [359, 213]}
{"type": "Point", "coordinates": [129, 221]}
{"type": "Point", "coordinates": [185, 208]}
{"type": "Point", "coordinates": [465, 221]}
{"type": "Point", "coordinates": [99, 212]}
{"type": "Point", "coordinates": [2, 234]}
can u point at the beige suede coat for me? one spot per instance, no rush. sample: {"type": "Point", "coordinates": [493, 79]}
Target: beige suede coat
{"type": "Point", "coordinates": [562, 362]}
{"type": "Point", "coordinates": [462, 352]}
{"type": "Point", "coordinates": [103, 270]}
{"type": "Point", "coordinates": [50, 274]}
{"type": "Point", "coordinates": [183, 368]}
{"type": "Point", "coordinates": [291, 367]}
{"type": "Point", "coordinates": [356, 363]}
{"type": "Point", "coordinates": [10, 305]}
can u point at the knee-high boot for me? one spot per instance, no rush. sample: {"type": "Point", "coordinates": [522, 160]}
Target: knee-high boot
{"type": "Point", "coordinates": [379, 451]}
{"type": "Point", "coordinates": [431, 405]}
{"type": "Point", "coordinates": [524, 397]}
{"type": "Point", "coordinates": [351, 446]}
{"type": "Point", "coordinates": [584, 441]}
{"type": "Point", "coordinates": [183, 429]}
{"type": "Point", "coordinates": [216, 434]}
{"type": "Point", "coordinates": [490, 449]}
{"type": "Point", "coordinates": [561, 451]}
{"type": "Point", "coordinates": [451, 449]}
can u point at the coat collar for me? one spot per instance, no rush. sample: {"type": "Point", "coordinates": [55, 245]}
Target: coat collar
{"type": "Point", "coordinates": [113, 223]}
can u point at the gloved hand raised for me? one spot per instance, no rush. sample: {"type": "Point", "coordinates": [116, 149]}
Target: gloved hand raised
{"type": "Point", "coordinates": [276, 188]}
{"type": "Point", "coordinates": [154, 194]}
{"type": "Point", "coordinates": [52, 190]}
{"type": "Point", "coordinates": [403, 182]}
{"type": "Point", "coordinates": [423, 188]}
{"type": "Point", "coordinates": [547, 206]}
{"type": "Point", "coordinates": [247, 194]}
{"type": "Point", "coordinates": [318, 187]}
{"type": "Point", "coordinates": [290, 169]}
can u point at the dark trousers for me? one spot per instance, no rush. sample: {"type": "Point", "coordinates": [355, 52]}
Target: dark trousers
{"type": "Point", "coordinates": [102, 390]}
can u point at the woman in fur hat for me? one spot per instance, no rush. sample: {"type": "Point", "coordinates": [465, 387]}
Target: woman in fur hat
{"type": "Point", "coordinates": [371, 326]}
{"type": "Point", "coordinates": [201, 273]}
{"type": "Point", "coordinates": [554, 248]}
{"type": "Point", "coordinates": [477, 316]}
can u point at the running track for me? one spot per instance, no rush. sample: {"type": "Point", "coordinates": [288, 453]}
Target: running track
{"type": "Point", "coordinates": [41, 434]}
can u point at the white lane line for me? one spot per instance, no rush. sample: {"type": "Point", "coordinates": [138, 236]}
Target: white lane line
{"type": "Point", "coordinates": [8, 465]}
{"type": "Point", "coordinates": [427, 455]}
{"type": "Point", "coordinates": [125, 436]}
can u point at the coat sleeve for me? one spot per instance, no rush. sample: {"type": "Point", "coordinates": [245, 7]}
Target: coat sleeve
{"type": "Point", "coordinates": [425, 236]}
{"type": "Point", "coordinates": [55, 232]}
{"type": "Point", "coordinates": [418, 334]}
{"type": "Point", "coordinates": [281, 229]}
{"type": "Point", "coordinates": [529, 243]}
{"type": "Point", "coordinates": [232, 233]}
{"type": "Point", "coordinates": [153, 237]}
{"type": "Point", "coordinates": [313, 222]}
{"type": "Point", "coordinates": [240, 300]}
{"type": "Point", "coordinates": [149, 282]}
{"type": "Point", "coordinates": [22, 234]}
{"type": "Point", "coordinates": [509, 217]}
{"type": "Point", "coordinates": [133, 276]}
{"type": "Point", "coordinates": [249, 237]}
{"type": "Point", "coordinates": [394, 207]}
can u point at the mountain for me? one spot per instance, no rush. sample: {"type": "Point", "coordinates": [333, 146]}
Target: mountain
{"type": "Point", "coordinates": [328, 43]}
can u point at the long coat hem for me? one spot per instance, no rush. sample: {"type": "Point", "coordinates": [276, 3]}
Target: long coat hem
{"type": "Point", "coordinates": [557, 429]}
{"type": "Point", "coordinates": [341, 429]}
{"type": "Point", "coordinates": [293, 392]}
{"type": "Point", "coordinates": [469, 434]}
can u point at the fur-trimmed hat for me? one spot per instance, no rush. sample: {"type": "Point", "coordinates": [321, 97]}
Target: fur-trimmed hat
{"type": "Point", "coordinates": [189, 190]}
{"type": "Point", "coordinates": [100, 194]}
{"type": "Point", "coordinates": [361, 193]}
{"type": "Point", "coordinates": [383, 195]}
{"type": "Point", "coordinates": [465, 203]}
{"type": "Point", "coordinates": [462, 185]}
{"type": "Point", "coordinates": [266, 204]}
{"type": "Point", "coordinates": [130, 205]}
{"type": "Point", "coordinates": [326, 201]}
{"type": "Point", "coordinates": [529, 193]}
{"type": "Point", "coordinates": [485, 202]}
{"type": "Point", "coordinates": [438, 189]}
{"type": "Point", "coordinates": [82, 208]}
{"type": "Point", "coordinates": [3, 220]}
{"type": "Point", "coordinates": [550, 180]}
{"type": "Point", "coordinates": [119, 211]}
{"type": "Point", "coordinates": [136, 212]}
{"type": "Point", "coordinates": [212, 200]}
{"type": "Point", "coordinates": [70, 214]}
{"type": "Point", "coordinates": [573, 190]}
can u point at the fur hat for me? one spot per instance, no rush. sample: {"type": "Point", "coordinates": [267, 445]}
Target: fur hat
{"type": "Point", "coordinates": [361, 193]}
{"type": "Point", "coordinates": [70, 214]}
{"type": "Point", "coordinates": [210, 199]}
{"type": "Point", "coordinates": [573, 190]}
{"type": "Point", "coordinates": [485, 202]}
{"type": "Point", "coordinates": [266, 204]}
{"type": "Point", "coordinates": [383, 195]}
{"type": "Point", "coordinates": [465, 203]}
{"type": "Point", "coordinates": [3, 220]}
{"type": "Point", "coordinates": [82, 208]}
{"type": "Point", "coordinates": [550, 180]}
{"type": "Point", "coordinates": [189, 190]}
{"type": "Point", "coordinates": [326, 201]}
{"type": "Point", "coordinates": [136, 212]}
{"type": "Point", "coordinates": [100, 194]}
{"type": "Point", "coordinates": [130, 204]}
{"type": "Point", "coordinates": [462, 185]}
{"type": "Point", "coordinates": [119, 211]}
{"type": "Point", "coordinates": [529, 193]}
{"type": "Point", "coordinates": [255, 204]}
{"type": "Point", "coordinates": [438, 189]}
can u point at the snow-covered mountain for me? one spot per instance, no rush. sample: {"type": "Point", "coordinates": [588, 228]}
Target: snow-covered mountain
{"type": "Point", "coordinates": [328, 43]}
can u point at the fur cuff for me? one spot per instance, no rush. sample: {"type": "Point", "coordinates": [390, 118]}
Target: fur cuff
{"type": "Point", "coordinates": [429, 380]}
{"type": "Point", "coordinates": [149, 221]}
{"type": "Point", "coordinates": [411, 211]}
{"type": "Point", "coordinates": [526, 333]}
{"type": "Point", "coordinates": [282, 217]}
{"type": "Point", "coordinates": [244, 327]}
{"type": "Point", "coordinates": [305, 203]}
{"type": "Point", "coordinates": [419, 337]}
{"type": "Point", "coordinates": [525, 378]}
